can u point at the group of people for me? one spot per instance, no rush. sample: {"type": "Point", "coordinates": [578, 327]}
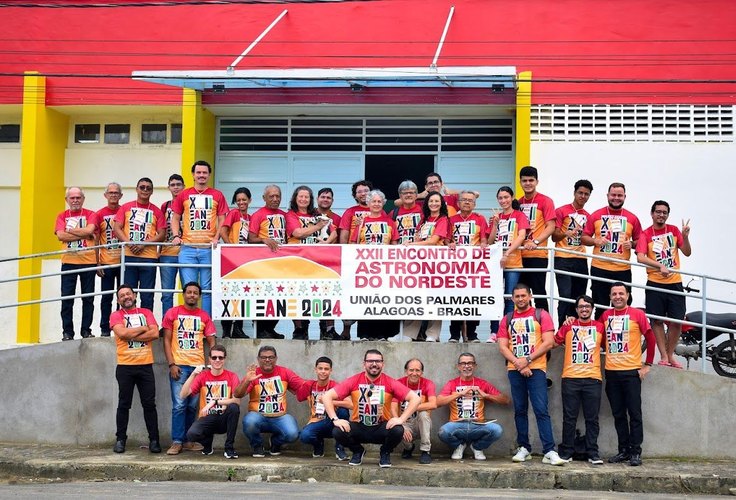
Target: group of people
{"type": "Point", "coordinates": [372, 407]}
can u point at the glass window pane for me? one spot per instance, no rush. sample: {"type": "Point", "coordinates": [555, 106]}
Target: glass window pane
{"type": "Point", "coordinates": [117, 133]}
{"type": "Point", "coordinates": [176, 133]}
{"type": "Point", "coordinates": [153, 133]}
{"type": "Point", "coordinates": [9, 132]}
{"type": "Point", "coordinates": [88, 133]}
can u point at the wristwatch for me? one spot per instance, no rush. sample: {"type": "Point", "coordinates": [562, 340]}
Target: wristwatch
{"type": "Point", "coordinates": [536, 242]}
{"type": "Point", "coordinates": [529, 360]}
{"type": "Point", "coordinates": [333, 419]}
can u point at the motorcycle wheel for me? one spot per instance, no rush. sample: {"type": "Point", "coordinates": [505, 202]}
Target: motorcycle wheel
{"type": "Point", "coordinates": [724, 359]}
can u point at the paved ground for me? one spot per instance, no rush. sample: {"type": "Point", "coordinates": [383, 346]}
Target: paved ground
{"type": "Point", "coordinates": [34, 464]}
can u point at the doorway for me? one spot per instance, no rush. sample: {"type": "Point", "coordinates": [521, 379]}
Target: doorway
{"type": "Point", "coordinates": [386, 172]}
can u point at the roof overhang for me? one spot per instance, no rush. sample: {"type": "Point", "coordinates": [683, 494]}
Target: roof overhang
{"type": "Point", "coordinates": [491, 77]}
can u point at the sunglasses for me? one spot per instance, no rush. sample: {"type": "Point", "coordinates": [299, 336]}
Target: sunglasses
{"type": "Point", "coordinates": [145, 188]}
{"type": "Point", "coordinates": [217, 358]}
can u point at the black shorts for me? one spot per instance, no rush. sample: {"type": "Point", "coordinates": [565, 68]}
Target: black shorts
{"type": "Point", "coordinates": [665, 304]}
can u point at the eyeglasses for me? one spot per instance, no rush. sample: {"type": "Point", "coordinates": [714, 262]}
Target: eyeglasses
{"type": "Point", "coordinates": [217, 358]}
{"type": "Point", "coordinates": [373, 361]}
{"type": "Point", "coordinates": [430, 183]}
{"type": "Point", "coordinates": [585, 306]}
{"type": "Point", "coordinates": [113, 193]}
{"type": "Point", "coordinates": [661, 212]}
{"type": "Point", "coordinates": [408, 192]}
{"type": "Point", "coordinates": [175, 184]}
{"type": "Point", "coordinates": [145, 188]}
{"type": "Point", "coordinates": [466, 363]}
{"type": "Point", "coordinates": [466, 200]}
{"type": "Point", "coordinates": [267, 358]}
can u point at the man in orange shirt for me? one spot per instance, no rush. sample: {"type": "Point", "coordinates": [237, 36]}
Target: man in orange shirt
{"type": "Point", "coordinates": [108, 255]}
{"type": "Point", "coordinates": [625, 326]}
{"type": "Point", "coordinates": [75, 228]}
{"type": "Point", "coordinates": [581, 378]}
{"type": "Point", "coordinates": [135, 329]}
{"type": "Point", "coordinates": [659, 248]}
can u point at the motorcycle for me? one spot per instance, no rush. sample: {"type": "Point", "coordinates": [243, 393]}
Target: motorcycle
{"type": "Point", "coordinates": [723, 355]}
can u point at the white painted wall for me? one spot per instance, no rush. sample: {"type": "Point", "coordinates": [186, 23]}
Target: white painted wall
{"type": "Point", "coordinates": [9, 198]}
{"type": "Point", "coordinates": [694, 178]}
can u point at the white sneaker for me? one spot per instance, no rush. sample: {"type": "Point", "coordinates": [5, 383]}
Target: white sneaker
{"type": "Point", "coordinates": [522, 455]}
{"type": "Point", "coordinates": [552, 458]}
{"type": "Point", "coordinates": [428, 339]}
{"type": "Point", "coordinates": [458, 453]}
{"type": "Point", "coordinates": [478, 454]}
{"type": "Point", "coordinates": [492, 339]}
{"type": "Point", "coordinates": [452, 341]}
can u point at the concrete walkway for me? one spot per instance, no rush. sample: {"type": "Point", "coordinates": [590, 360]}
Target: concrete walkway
{"type": "Point", "coordinates": [24, 462]}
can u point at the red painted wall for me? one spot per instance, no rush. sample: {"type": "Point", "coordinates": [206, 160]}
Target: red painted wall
{"type": "Point", "coordinates": [579, 41]}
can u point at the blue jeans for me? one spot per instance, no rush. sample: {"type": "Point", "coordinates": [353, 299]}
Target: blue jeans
{"type": "Point", "coordinates": [183, 411]}
{"type": "Point", "coordinates": [283, 429]}
{"type": "Point", "coordinates": [480, 436]}
{"type": "Point", "coordinates": [534, 389]}
{"type": "Point", "coordinates": [510, 280]}
{"type": "Point", "coordinates": [197, 255]}
{"type": "Point", "coordinates": [316, 432]}
{"type": "Point", "coordinates": [68, 287]}
{"type": "Point", "coordinates": [108, 282]}
{"type": "Point", "coordinates": [141, 277]}
{"type": "Point", "coordinates": [168, 281]}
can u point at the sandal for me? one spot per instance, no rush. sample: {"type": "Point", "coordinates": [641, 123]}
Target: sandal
{"type": "Point", "coordinates": [664, 363]}
{"type": "Point", "coordinates": [675, 364]}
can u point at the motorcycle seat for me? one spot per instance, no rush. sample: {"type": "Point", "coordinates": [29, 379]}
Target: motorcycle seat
{"type": "Point", "coordinates": [721, 320]}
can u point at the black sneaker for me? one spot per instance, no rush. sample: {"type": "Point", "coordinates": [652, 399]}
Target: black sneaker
{"type": "Point", "coordinates": [259, 452]}
{"type": "Point", "coordinates": [635, 460]}
{"type": "Point", "coordinates": [406, 454]}
{"type": "Point", "coordinates": [384, 459]}
{"type": "Point", "coordinates": [425, 458]}
{"type": "Point", "coordinates": [119, 446]}
{"type": "Point", "coordinates": [154, 446]}
{"type": "Point", "coordinates": [105, 333]}
{"type": "Point", "coordinates": [300, 334]}
{"type": "Point", "coordinates": [269, 334]}
{"type": "Point", "coordinates": [231, 454]}
{"type": "Point", "coordinates": [330, 334]}
{"type": "Point", "coordinates": [207, 450]}
{"type": "Point", "coordinates": [357, 458]}
{"type": "Point", "coordinates": [319, 450]}
{"type": "Point", "coordinates": [275, 450]}
{"type": "Point", "coordinates": [238, 333]}
{"type": "Point", "coordinates": [86, 334]}
{"type": "Point", "coordinates": [595, 460]}
{"type": "Point", "coordinates": [340, 453]}
{"type": "Point", "coordinates": [621, 457]}
{"type": "Point", "coordinates": [67, 336]}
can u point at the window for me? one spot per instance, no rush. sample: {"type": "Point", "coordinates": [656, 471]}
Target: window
{"type": "Point", "coordinates": [176, 133]}
{"type": "Point", "coordinates": [9, 133]}
{"type": "Point", "coordinates": [153, 133]}
{"type": "Point", "coordinates": [117, 133]}
{"type": "Point", "coordinates": [87, 133]}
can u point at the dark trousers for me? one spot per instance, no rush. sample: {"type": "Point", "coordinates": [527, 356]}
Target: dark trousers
{"type": "Point", "coordinates": [142, 278]}
{"type": "Point", "coordinates": [536, 280]}
{"type": "Point", "coordinates": [68, 287]}
{"type": "Point", "coordinates": [129, 377]}
{"type": "Point", "coordinates": [576, 392]}
{"type": "Point", "coordinates": [378, 328]}
{"type": "Point", "coordinates": [376, 434]}
{"type": "Point", "coordinates": [110, 281]}
{"type": "Point", "coordinates": [601, 290]}
{"type": "Point", "coordinates": [265, 325]}
{"type": "Point", "coordinates": [456, 329]}
{"type": "Point", "coordinates": [570, 287]}
{"type": "Point", "coordinates": [203, 429]}
{"type": "Point", "coordinates": [623, 389]}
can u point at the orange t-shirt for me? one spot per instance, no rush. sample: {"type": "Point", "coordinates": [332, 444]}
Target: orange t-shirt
{"type": "Point", "coordinates": [471, 407]}
{"type": "Point", "coordinates": [189, 329]}
{"type": "Point", "coordinates": [661, 245]}
{"type": "Point", "coordinates": [76, 253]}
{"type": "Point", "coordinates": [106, 222]}
{"type": "Point", "coordinates": [525, 335]}
{"type": "Point", "coordinates": [624, 331]}
{"type": "Point", "coordinates": [582, 349]}
{"type": "Point", "coordinates": [132, 352]}
{"type": "Point", "coordinates": [508, 229]}
{"type": "Point", "coordinates": [571, 219]}
{"type": "Point", "coordinates": [617, 226]}
{"type": "Point", "coordinates": [539, 210]}
{"type": "Point", "coordinates": [141, 223]}
{"type": "Point", "coordinates": [199, 212]}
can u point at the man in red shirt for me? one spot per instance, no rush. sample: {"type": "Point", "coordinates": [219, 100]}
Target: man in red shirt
{"type": "Point", "coordinates": [75, 229]}
{"type": "Point", "coordinates": [419, 423]}
{"type": "Point", "coordinates": [625, 326]}
{"type": "Point", "coordinates": [266, 385]}
{"type": "Point", "coordinates": [372, 393]}
{"type": "Point", "coordinates": [319, 426]}
{"type": "Point", "coordinates": [467, 396]}
{"type": "Point", "coordinates": [108, 255]}
{"type": "Point", "coordinates": [581, 378]}
{"type": "Point", "coordinates": [660, 247]}
{"type": "Point", "coordinates": [135, 330]}
{"type": "Point", "coordinates": [219, 410]}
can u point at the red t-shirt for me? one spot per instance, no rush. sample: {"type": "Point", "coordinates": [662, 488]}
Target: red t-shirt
{"type": "Point", "coordinates": [133, 352]}
{"type": "Point", "coordinates": [105, 223]}
{"type": "Point", "coordinates": [468, 230]}
{"type": "Point", "coordinates": [525, 335]}
{"type": "Point", "coordinates": [70, 220]}
{"type": "Point", "coordinates": [296, 220]}
{"type": "Point", "coordinates": [407, 223]}
{"type": "Point", "coordinates": [661, 245]}
{"type": "Point", "coordinates": [349, 220]}
{"type": "Point", "coordinates": [170, 250]}
{"type": "Point", "coordinates": [310, 391]}
{"type": "Point", "coordinates": [440, 227]}
{"type": "Point", "coordinates": [616, 226]}
{"type": "Point", "coordinates": [239, 226]}
{"type": "Point", "coordinates": [508, 229]}
{"type": "Point", "coordinates": [371, 399]}
{"type": "Point", "coordinates": [212, 387]}
{"type": "Point", "coordinates": [425, 389]}
{"type": "Point", "coordinates": [199, 212]}
{"type": "Point", "coordinates": [141, 223]}
{"type": "Point", "coordinates": [471, 407]}
{"type": "Point", "coordinates": [379, 230]}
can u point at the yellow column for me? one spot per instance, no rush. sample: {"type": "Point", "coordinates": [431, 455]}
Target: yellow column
{"type": "Point", "coordinates": [523, 124]}
{"type": "Point", "coordinates": [43, 145]}
{"type": "Point", "coordinates": [197, 134]}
